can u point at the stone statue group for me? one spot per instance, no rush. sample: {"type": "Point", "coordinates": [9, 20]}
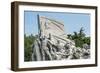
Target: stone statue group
{"type": "Point", "coordinates": [52, 43]}
{"type": "Point", "coordinates": [44, 49]}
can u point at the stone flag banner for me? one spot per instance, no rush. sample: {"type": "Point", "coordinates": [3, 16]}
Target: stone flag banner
{"type": "Point", "coordinates": [52, 36]}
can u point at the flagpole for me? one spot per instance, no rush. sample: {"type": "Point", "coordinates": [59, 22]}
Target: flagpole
{"type": "Point", "coordinates": [39, 29]}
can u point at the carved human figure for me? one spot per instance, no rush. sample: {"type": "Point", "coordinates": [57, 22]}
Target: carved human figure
{"type": "Point", "coordinates": [45, 48]}
{"type": "Point", "coordinates": [36, 55]}
{"type": "Point", "coordinates": [86, 51]}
